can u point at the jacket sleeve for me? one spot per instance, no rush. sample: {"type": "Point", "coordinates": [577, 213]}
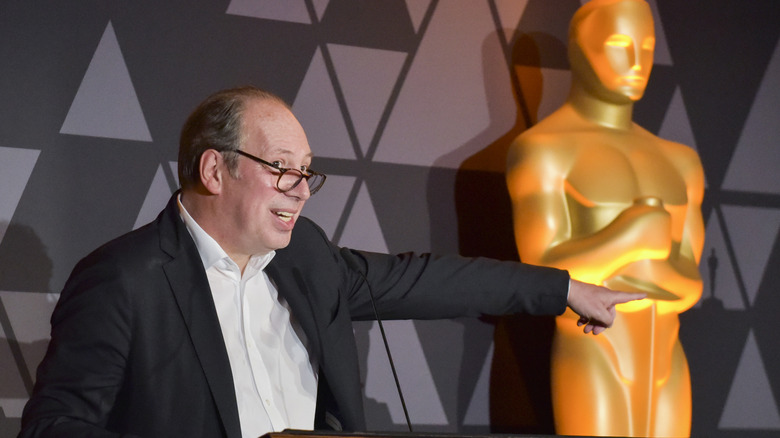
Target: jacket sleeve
{"type": "Point", "coordinates": [83, 370]}
{"type": "Point", "coordinates": [427, 286]}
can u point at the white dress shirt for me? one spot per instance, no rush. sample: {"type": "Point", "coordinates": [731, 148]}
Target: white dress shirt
{"type": "Point", "coordinates": [275, 381]}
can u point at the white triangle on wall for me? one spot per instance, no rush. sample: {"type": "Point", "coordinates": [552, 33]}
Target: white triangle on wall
{"type": "Point", "coordinates": [106, 104]}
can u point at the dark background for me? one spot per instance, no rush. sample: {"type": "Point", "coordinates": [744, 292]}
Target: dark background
{"type": "Point", "coordinates": [410, 107]}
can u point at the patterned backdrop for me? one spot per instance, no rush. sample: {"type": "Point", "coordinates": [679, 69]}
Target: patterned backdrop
{"type": "Point", "coordinates": [409, 107]}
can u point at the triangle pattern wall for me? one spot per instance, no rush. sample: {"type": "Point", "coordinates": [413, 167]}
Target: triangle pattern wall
{"type": "Point", "coordinates": [404, 104]}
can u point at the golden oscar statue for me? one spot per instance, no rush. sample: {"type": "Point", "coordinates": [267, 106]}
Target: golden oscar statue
{"type": "Point", "coordinates": [598, 195]}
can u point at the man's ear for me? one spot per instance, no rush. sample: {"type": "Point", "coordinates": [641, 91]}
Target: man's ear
{"type": "Point", "coordinates": [212, 170]}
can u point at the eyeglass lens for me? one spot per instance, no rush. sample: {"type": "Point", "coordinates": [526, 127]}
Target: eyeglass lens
{"type": "Point", "coordinates": [291, 178]}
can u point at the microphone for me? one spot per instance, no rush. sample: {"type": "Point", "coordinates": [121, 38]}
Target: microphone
{"type": "Point", "coordinates": [353, 264]}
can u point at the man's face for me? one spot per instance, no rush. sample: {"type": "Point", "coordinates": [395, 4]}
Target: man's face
{"type": "Point", "coordinates": [618, 41]}
{"type": "Point", "coordinates": [262, 217]}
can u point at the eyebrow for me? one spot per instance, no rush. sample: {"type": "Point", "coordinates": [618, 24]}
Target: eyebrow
{"type": "Point", "coordinates": [288, 153]}
{"type": "Point", "coordinates": [285, 151]}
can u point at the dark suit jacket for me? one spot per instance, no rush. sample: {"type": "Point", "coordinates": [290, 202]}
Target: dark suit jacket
{"type": "Point", "coordinates": [137, 349]}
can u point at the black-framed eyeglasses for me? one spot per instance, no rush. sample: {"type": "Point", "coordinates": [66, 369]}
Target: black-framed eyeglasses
{"type": "Point", "coordinates": [290, 178]}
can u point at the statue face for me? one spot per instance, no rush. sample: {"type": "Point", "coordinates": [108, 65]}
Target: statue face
{"type": "Point", "coordinates": [616, 42]}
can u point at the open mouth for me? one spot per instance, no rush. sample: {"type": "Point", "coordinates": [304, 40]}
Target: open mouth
{"type": "Point", "coordinates": [285, 216]}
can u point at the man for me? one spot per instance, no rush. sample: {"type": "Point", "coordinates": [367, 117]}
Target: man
{"type": "Point", "coordinates": [230, 314]}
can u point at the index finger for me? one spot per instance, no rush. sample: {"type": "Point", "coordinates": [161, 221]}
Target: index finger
{"type": "Point", "coordinates": [624, 297]}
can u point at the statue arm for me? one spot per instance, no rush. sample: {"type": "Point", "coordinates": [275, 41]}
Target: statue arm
{"type": "Point", "coordinates": [684, 259]}
{"type": "Point", "coordinates": [679, 272]}
{"type": "Point", "coordinates": [544, 228]}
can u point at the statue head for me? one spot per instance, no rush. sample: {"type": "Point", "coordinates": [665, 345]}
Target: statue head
{"type": "Point", "coordinates": [611, 44]}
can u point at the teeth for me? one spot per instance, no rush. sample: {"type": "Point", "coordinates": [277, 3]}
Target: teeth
{"type": "Point", "coordinates": [285, 216]}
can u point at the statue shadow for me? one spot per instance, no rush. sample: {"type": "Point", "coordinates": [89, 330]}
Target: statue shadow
{"type": "Point", "coordinates": [520, 400]}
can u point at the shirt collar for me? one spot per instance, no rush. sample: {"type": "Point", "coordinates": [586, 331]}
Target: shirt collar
{"type": "Point", "coordinates": [210, 251]}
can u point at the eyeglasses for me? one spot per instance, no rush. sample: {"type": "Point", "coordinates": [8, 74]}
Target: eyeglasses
{"type": "Point", "coordinates": [290, 178]}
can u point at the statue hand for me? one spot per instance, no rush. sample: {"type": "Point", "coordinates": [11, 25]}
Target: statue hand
{"type": "Point", "coordinates": [649, 225]}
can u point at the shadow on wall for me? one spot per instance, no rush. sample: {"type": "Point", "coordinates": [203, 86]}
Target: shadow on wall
{"type": "Point", "coordinates": [9, 427]}
{"type": "Point", "coordinates": [377, 413]}
{"type": "Point", "coordinates": [716, 371]}
{"type": "Point", "coordinates": [24, 267]}
{"type": "Point", "coordinates": [520, 397]}
{"type": "Point", "coordinates": [24, 264]}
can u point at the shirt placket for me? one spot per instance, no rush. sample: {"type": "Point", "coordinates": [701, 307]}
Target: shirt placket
{"type": "Point", "coordinates": [230, 311]}
{"type": "Point", "coordinates": [263, 348]}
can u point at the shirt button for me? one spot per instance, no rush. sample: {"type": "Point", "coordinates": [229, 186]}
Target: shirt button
{"type": "Point", "coordinates": [267, 402]}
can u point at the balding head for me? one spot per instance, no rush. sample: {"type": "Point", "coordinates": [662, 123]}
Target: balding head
{"type": "Point", "coordinates": [216, 124]}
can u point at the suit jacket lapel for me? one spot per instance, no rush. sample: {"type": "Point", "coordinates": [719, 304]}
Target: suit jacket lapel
{"type": "Point", "coordinates": [329, 334]}
{"type": "Point", "coordinates": [292, 288]}
{"type": "Point", "coordinates": [189, 285]}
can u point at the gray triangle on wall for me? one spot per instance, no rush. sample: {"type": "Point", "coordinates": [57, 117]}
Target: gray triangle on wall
{"type": "Point", "coordinates": [676, 126]}
{"type": "Point", "coordinates": [509, 12]}
{"type": "Point", "coordinates": [459, 51]}
{"type": "Point", "coordinates": [14, 394]}
{"type": "Point", "coordinates": [106, 104]}
{"type": "Point", "coordinates": [367, 77]}
{"type": "Point", "coordinates": [28, 316]}
{"type": "Point", "coordinates": [754, 164]}
{"type": "Point", "coordinates": [417, 9]}
{"type": "Point", "coordinates": [753, 232]}
{"type": "Point", "coordinates": [16, 166]}
{"type": "Point", "coordinates": [319, 7]}
{"type": "Point", "coordinates": [293, 11]}
{"type": "Point", "coordinates": [662, 54]}
{"type": "Point", "coordinates": [423, 403]}
{"type": "Point", "coordinates": [362, 230]}
{"type": "Point", "coordinates": [327, 207]}
{"type": "Point", "coordinates": [157, 197]}
{"type": "Point", "coordinates": [317, 109]}
{"type": "Point", "coordinates": [478, 412]}
{"type": "Point", "coordinates": [750, 403]}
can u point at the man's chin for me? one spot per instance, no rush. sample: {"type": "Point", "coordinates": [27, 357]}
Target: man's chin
{"type": "Point", "coordinates": [282, 240]}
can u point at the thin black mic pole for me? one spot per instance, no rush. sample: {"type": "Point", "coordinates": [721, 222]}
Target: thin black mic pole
{"type": "Point", "coordinates": [350, 258]}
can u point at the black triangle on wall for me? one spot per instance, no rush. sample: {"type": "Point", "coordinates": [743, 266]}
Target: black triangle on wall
{"type": "Point", "coordinates": [719, 68]}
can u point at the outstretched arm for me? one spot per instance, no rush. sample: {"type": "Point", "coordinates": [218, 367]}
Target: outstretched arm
{"type": "Point", "coordinates": [595, 305]}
